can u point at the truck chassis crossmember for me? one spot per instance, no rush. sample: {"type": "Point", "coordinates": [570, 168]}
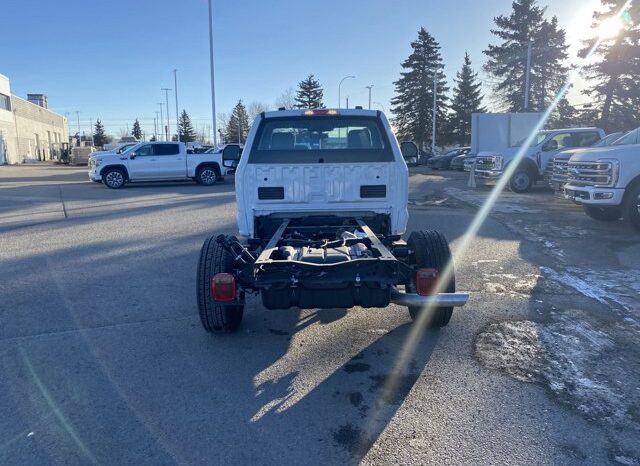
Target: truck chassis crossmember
{"type": "Point", "coordinates": [322, 280]}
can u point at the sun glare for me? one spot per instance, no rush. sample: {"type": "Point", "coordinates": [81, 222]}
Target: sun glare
{"type": "Point", "coordinates": [610, 27]}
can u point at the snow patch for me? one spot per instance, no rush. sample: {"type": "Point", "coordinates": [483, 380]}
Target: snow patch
{"type": "Point", "coordinates": [506, 282]}
{"type": "Point", "coordinates": [609, 287]}
{"type": "Point", "coordinates": [507, 203]}
{"type": "Point", "coordinates": [558, 355]}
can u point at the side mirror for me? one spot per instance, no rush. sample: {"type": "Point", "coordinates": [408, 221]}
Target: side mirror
{"type": "Point", "coordinates": [409, 149]}
{"type": "Point", "coordinates": [133, 155]}
{"type": "Point", "coordinates": [231, 155]}
{"type": "Point", "coordinates": [549, 146]}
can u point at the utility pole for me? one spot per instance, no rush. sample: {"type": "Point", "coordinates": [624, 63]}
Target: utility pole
{"type": "Point", "coordinates": [166, 95]}
{"type": "Point", "coordinates": [213, 87]}
{"type": "Point", "coordinates": [162, 128]}
{"type": "Point", "coordinates": [175, 85]}
{"type": "Point", "coordinates": [155, 127]}
{"type": "Point", "coordinates": [78, 119]}
{"type": "Point", "coordinates": [369, 87]}
{"type": "Point", "coordinates": [527, 77]}
{"type": "Point", "coordinates": [339, 86]}
{"type": "Point", "coordinates": [433, 130]}
{"type": "Point", "coordinates": [93, 142]}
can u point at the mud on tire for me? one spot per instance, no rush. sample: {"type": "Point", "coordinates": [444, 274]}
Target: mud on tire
{"type": "Point", "coordinates": [215, 317]}
{"type": "Point", "coordinates": [430, 249]}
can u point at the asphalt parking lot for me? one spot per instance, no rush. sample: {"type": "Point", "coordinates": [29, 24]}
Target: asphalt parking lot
{"type": "Point", "coordinates": [103, 358]}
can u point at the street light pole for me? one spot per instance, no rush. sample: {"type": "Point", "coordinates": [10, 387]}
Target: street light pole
{"type": "Point", "coordinates": [155, 122]}
{"type": "Point", "coordinates": [162, 128]}
{"type": "Point", "coordinates": [369, 87]}
{"type": "Point", "coordinates": [433, 130]}
{"type": "Point", "coordinates": [213, 87]}
{"type": "Point", "coordinates": [175, 85]}
{"type": "Point", "coordinates": [339, 86]}
{"type": "Point", "coordinates": [78, 119]}
{"type": "Point", "coordinates": [166, 98]}
{"type": "Point", "coordinates": [527, 78]}
{"type": "Point", "coordinates": [93, 142]}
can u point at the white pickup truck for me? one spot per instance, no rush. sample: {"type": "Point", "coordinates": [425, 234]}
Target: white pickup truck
{"type": "Point", "coordinates": [546, 145]}
{"type": "Point", "coordinates": [606, 180]}
{"type": "Point", "coordinates": [161, 161]}
{"type": "Point", "coordinates": [322, 206]}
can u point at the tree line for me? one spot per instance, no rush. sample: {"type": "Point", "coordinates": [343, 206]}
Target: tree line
{"type": "Point", "coordinates": [523, 37]}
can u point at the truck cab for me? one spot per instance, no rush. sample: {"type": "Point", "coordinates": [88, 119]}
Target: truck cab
{"type": "Point", "coordinates": [322, 206]}
{"type": "Point", "coordinates": [158, 161]}
{"type": "Point", "coordinates": [606, 180]}
{"type": "Point", "coordinates": [531, 167]}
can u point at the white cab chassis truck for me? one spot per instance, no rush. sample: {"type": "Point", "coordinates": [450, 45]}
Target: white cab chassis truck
{"type": "Point", "coordinates": [531, 167]}
{"type": "Point", "coordinates": [161, 161]}
{"type": "Point", "coordinates": [322, 206]}
{"type": "Point", "coordinates": [606, 180]}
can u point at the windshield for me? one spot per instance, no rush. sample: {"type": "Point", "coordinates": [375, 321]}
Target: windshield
{"type": "Point", "coordinates": [539, 139]}
{"type": "Point", "coordinates": [608, 140]}
{"type": "Point", "coordinates": [320, 139]}
{"type": "Point", "coordinates": [630, 138]}
{"type": "Point", "coordinates": [124, 148]}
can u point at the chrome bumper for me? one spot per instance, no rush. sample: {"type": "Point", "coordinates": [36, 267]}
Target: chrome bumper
{"type": "Point", "coordinates": [438, 300]}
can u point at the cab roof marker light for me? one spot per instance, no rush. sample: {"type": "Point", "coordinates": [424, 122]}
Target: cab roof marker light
{"type": "Point", "coordinates": [319, 112]}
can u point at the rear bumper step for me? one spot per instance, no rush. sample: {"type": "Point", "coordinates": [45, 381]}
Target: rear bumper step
{"type": "Point", "coordinates": [438, 300]}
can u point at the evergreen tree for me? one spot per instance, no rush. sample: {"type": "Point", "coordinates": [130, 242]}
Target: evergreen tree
{"type": "Point", "coordinates": [99, 136]}
{"type": "Point", "coordinates": [137, 130]}
{"type": "Point", "coordinates": [185, 128]}
{"type": "Point", "coordinates": [238, 125]}
{"type": "Point", "coordinates": [309, 93]}
{"type": "Point", "coordinates": [412, 105]}
{"type": "Point", "coordinates": [614, 76]}
{"type": "Point", "coordinates": [565, 116]}
{"type": "Point", "coordinates": [507, 62]}
{"type": "Point", "coordinates": [467, 99]}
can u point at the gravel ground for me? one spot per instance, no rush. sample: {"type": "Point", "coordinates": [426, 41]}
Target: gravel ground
{"type": "Point", "coordinates": [103, 358]}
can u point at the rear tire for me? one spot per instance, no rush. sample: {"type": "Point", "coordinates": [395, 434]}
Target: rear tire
{"type": "Point", "coordinates": [430, 249]}
{"type": "Point", "coordinates": [521, 181]}
{"type": "Point", "coordinates": [603, 214]}
{"type": "Point", "coordinates": [216, 317]}
{"type": "Point", "coordinates": [632, 207]}
{"type": "Point", "coordinates": [207, 176]}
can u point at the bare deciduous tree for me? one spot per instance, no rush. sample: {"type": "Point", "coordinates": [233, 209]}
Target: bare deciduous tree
{"type": "Point", "coordinates": [287, 99]}
{"type": "Point", "coordinates": [256, 108]}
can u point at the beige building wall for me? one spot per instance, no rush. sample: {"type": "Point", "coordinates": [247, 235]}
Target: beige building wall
{"type": "Point", "coordinates": [7, 124]}
{"type": "Point", "coordinates": [40, 131]}
{"type": "Point", "coordinates": [31, 132]}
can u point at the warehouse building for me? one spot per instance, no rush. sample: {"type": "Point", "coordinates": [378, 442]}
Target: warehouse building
{"type": "Point", "coordinates": [29, 131]}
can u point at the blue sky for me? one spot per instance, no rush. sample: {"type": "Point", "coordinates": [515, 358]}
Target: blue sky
{"type": "Point", "coordinates": [109, 60]}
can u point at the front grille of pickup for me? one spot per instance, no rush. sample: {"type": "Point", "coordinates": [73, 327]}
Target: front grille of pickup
{"type": "Point", "coordinates": [270, 193]}
{"type": "Point", "coordinates": [373, 191]}
{"type": "Point", "coordinates": [590, 173]}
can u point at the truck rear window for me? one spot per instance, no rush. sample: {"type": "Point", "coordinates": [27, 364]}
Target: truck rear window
{"type": "Point", "coordinates": [321, 139]}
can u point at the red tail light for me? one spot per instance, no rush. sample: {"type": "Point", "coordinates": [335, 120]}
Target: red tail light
{"type": "Point", "coordinates": [426, 281]}
{"type": "Point", "coordinates": [223, 287]}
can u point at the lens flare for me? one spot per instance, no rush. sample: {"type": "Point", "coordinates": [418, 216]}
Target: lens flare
{"type": "Point", "coordinates": [421, 323]}
{"type": "Point", "coordinates": [610, 27]}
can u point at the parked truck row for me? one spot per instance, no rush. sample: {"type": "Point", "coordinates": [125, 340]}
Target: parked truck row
{"type": "Point", "coordinates": [598, 171]}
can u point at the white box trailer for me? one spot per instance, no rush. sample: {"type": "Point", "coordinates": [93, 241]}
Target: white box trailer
{"type": "Point", "coordinates": [494, 131]}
